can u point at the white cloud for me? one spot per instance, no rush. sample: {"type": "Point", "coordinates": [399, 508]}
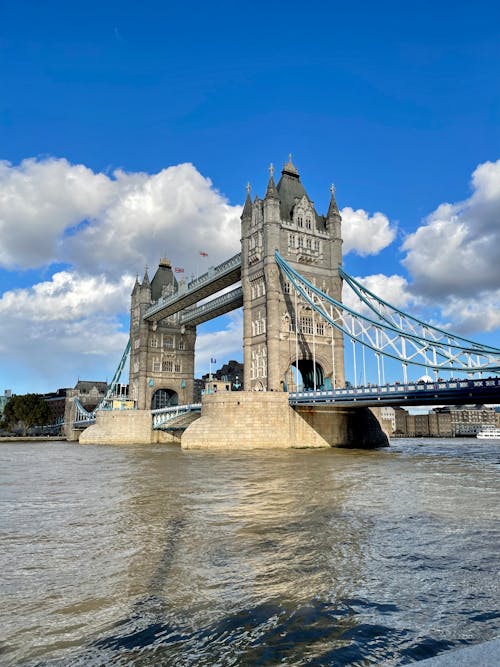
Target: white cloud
{"type": "Point", "coordinates": [453, 256]}
{"type": "Point", "coordinates": [52, 211]}
{"type": "Point", "coordinates": [455, 252]}
{"type": "Point", "coordinates": [67, 297]}
{"type": "Point", "coordinates": [393, 289]}
{"type": "Point", "coordinates": [104, 228]}
{"type": "Point", "coordinates": [365, 235]}
{"type": "Point", "coordinates": [39, 200]}
{"type": "Point", "coordinates": [60, 329]}
{"type": "Point", "coordinates": [176, 213]}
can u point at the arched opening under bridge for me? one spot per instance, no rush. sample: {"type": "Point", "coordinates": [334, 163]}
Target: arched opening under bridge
{"type": "Point", "coordinates": [164, 398]}
{"type": "Point", "coordinates": [310, 375]}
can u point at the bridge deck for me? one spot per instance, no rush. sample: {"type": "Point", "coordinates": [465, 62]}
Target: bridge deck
{"type": "Point", "coordinates": [453, 392]}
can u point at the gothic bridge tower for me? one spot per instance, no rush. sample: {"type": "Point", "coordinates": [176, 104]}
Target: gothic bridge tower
{"type": "Point", "coordinates": [161, 353]}
{"type": "Point", "coordinates": [280, 331]}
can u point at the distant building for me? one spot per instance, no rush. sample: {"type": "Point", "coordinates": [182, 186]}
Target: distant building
{"type": "Point", "coordinates": [231, 372]}
{"type": "Point", "coordinates": [444, 422]}
{"type": "Point", "coordinates": [468, 420]}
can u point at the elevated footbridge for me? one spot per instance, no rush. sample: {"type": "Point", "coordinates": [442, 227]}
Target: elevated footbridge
{"type": "Point", "coordinates": [214, 280]}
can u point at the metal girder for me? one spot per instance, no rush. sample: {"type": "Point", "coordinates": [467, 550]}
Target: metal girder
{"type": "Point", "coordinates": [385, 336]}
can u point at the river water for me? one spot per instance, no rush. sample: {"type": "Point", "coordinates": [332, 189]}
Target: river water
{"type": "Point", "coordinates": [148, 555]}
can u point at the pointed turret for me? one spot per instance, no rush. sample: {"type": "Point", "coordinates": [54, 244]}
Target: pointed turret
{"type": "Point", "coordinates": [247, 208]}
{"type": "Point", "coordinates": [271, 192]}
{"type": "Point", "coordinates": [136, 285]}
{"type": "Point", "coordinates": [333, 219]}
{"type": "Point", "coordinates": [145, 280]}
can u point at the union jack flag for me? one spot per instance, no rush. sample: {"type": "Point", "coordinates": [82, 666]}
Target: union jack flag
{"type": "Point", "coordinates": [203, 254]}
{"type": "Point", "coordinates": [178, 269]}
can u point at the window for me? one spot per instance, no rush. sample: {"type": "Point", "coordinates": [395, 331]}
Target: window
{"type": "Point", "coordinates": [306, 325]}
{"type": "Point", "coordinates": [166, 366]}
{"type": "Point", "coordinates": [168, 342]}
{"type": "Point", "coordinates": [137, 343]}
{"type": "Point", "coordinates": [156, 366]}
{"type": "Point", "coordinates": [320, 329]}
{"type": "Point", "coordinates": [308, 243]}
{"type": "Point", "coordinates": [181, 345]}
{"type": "Point", "coordinates": [177, 367]}
{"type": "Point", "coordinates": [153, 342]}
{"type": "Point", "coordinates": [300, 221]}
{"type": "Point", "coordinates": [301, 242]}
{"type": "Point", "coordinates": [286, 287]}
{"type": "Point", "coordinates": [291, 240]}
{"type": "Point", "coordinates": [308, 223]}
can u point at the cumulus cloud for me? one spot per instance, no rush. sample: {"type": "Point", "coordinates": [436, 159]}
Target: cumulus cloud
{"type": "Point", "coordinates": [103, 228]}
{"type": "Point", "coordinates": [365, 235]}
{"type": "Point", "coordinates": [67, 297]}
{"type": "Point", "coordinates": [455, 252]}
{"type": "Point", "coordinates": [63, 328]}
{"type": "Point", "coordinates": [39, 201]}
{"type": "Point", "coordinates": [393, 289]}
{"type": "Point", "coordinates": [52, 211]}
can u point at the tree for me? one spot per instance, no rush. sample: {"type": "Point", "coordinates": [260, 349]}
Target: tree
{"type": "Point", "coordinates": [26, 411]}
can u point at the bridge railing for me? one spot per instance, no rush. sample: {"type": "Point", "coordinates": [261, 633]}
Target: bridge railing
{"type": "Point", "coordinates": [397, 390]}
{"type": "Point", "coordinates": [163, 415]}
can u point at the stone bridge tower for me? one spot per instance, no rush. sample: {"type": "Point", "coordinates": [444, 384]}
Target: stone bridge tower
{"type": "Point", "coordinates": [161, 353]}
{"type": "Point", "coordinates": [280, 331]}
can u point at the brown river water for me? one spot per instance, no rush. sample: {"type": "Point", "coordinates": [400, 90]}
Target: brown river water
{"type": "Point", "coordinates": [148, 555]}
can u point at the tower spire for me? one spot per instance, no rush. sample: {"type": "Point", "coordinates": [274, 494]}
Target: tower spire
{"type": "Point", "coordinates": [247, 208]}
{"type": "Point", "coordinates": [271, 192]}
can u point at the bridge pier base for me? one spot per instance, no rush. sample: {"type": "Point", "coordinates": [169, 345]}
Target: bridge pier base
{"type": "Point", "coordinates": [119, 427]}
{"type": "Point", "coordinates": [265, 420]}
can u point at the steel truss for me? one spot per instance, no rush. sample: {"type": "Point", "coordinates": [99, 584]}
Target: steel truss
{"type": "Point", "coordinates": [390, 332]}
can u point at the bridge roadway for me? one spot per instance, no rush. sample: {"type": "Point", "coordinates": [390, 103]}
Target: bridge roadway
{"type": "Point", "coordinates": [451, 392]}
{"type": "Point", "coordinates": [213, 281]}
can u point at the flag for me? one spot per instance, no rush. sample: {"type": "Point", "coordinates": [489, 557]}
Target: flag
{"type": "Point", "coordinates": [178, 269]}
{"type": "Point", "coordinates": [212, 360]}
{"type": "Point", "coordinates": [203, 254]}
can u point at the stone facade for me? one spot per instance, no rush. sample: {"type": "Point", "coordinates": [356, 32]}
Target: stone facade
{"type": "Point", "coordinates": [161, 353]}
{"type": "Point", "coordinates": [280, 330]}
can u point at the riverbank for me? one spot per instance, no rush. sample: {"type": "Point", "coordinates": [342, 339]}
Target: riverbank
{"type": "Point", "coordinates": [33, 438]}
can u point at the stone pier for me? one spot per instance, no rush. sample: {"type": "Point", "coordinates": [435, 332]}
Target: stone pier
{"type": "Point", "coordinates": [246, 420]}
{"type": "Point", "coordinates": [265, 420]}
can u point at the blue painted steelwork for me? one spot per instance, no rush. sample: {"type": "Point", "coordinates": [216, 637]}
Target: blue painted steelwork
{"type": "Point", "coordinates": [384, 338]}
{"type": "Point", "coordinates": [452, 392]}
{"type": "Point", "coordinates": [399, 319]}
{"type": "Point", "coordinates": [86, 418]}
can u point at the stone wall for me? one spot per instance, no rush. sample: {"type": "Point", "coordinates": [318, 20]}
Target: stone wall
{"type": "Point", "coordinates": [264, 420]}
{"type": "Point", "coordinates": [119, 427]}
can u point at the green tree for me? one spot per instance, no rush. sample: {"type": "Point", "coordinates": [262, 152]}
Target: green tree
{"type": "Point", "coordinates": [26, 411]}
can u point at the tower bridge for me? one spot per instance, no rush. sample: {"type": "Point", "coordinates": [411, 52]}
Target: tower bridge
{"type": "Point", "coordinates": [295, 325]}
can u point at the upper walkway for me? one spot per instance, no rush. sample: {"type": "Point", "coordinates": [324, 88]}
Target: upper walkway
{"type": "Point", "coordinates": [211, 282]}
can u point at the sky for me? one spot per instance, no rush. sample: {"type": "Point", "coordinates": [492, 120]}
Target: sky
{"type": "Point", "coordinates": [128, 132]}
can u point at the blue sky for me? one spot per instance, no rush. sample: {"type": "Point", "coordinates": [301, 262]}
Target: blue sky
{"type": "Point", "coordinates": [127, 131]}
